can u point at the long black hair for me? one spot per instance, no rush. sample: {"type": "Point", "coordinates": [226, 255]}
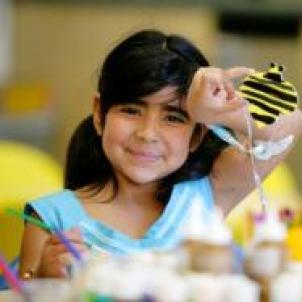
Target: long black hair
{"type": "Point", "coordinates": [144, 63]}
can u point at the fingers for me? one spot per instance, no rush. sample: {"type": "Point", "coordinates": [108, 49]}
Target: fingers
{"type": "Point", "coordinates": [220, 86]}
{"type": "Point", "coordinates": [235, 103]}
{"type": "Point", "coordinates": [56, 246]}
{"type": "Point", "coordinates": [55, 270]}
{"type": "Point", "coordinates": [237, 72]}
{"type": "Point", "coordinates": [215, 80]}
{"type": "Point", "coordinates": [230, 90]}
{"type": "Point", "coordinates": [73, 235]}
{"type": "Point", "coordinates": [56, 257]}
{"type": "Point", "coordinates": [212, 92]}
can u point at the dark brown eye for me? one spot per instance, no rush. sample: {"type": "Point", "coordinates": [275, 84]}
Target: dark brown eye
{"type": "Point", "coordinates": [176, 118]}
{"type": "Point", "coordinates": [131, 110]}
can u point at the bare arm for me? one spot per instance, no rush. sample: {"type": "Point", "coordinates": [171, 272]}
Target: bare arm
{"type": "Point", "coordinates": [212, 99]}
{"type": "Point", "coordinates": [232, 177]}
{"type": "Point", "coordinates": [33, 241]}
{"type": "Point", "coordinates": [43, 253]}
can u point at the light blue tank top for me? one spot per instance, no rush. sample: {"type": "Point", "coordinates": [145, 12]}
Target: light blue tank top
{"type": "Point", "coordinates": [63, 211]}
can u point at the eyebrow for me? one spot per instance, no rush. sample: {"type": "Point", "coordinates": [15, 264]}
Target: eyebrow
{"type": "Point", "coordinates": [170, 108]}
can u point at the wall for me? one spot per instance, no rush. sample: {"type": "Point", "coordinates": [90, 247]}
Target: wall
{"type": "Point", "coordinates": [65, 45]}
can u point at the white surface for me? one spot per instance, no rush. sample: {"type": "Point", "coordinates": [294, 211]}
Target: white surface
{"type": "Point", "coordinates": [4, 296]}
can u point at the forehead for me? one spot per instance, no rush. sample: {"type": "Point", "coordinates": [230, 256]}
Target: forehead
{"type": "Point", "coordinates": [166, 96]}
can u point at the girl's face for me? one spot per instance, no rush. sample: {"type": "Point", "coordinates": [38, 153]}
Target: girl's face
{"type": "Point", "coordinates": [147, 140]}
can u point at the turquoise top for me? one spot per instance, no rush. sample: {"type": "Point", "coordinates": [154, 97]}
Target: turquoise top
{"type": "Point", "coordinates": [63, 210]}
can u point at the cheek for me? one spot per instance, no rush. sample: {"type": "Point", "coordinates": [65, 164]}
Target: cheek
{"type": "Point", "coordinates": [116, 132]}
{"type": "Point", "coordinates": [113, 133]}
{"type": "Point", "coordinates": [181, 142]}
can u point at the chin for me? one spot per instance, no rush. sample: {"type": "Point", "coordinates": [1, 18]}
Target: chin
{"type": "Point", "coordinates": [143, 178]}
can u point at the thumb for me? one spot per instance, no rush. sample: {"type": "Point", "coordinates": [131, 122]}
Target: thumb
{"type": "Point", "coordinates": [238, 71]}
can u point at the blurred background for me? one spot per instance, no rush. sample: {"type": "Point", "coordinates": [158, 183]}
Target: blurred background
{"type": "Point", "coordinates": [51, 52]}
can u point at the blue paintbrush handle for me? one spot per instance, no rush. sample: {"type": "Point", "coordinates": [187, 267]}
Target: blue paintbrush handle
{"type": "Point", "coordinates": [69, 246]}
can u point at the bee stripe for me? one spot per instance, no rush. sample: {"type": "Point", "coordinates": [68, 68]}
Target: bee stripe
{"type": "Point", "coordinates": [259, 97]}
{"type": "Point", "coordinates": [282, 90]}
{"type": "Point", "coordinates": [269, 90]}
{"type": "Point", "coordinates": [263, 118]}
{"type": "Point", "coordinates": [268, 103]}
{"type": "Point", "coordinates": [254, 108]}
{"type": "Point", "coordinates": [263, 106]}
{"type": "Point", "coordinates": [283, 85]}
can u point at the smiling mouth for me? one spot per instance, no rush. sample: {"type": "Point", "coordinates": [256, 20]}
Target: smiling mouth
{"type": "Point", "coordinates": [144, 156]}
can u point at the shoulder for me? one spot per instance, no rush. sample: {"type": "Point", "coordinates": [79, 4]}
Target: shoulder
{"type": "Point", "coordinates": [58, 209]}
{"type": "Point", "coordinates": [53, 196]}
{"type": "Point", "coordinates": [51, 200]}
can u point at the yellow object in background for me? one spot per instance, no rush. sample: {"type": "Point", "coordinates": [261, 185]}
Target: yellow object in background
{"type": "Point", "coordinates": [294, 243]}
{"type": "Point", "coordinates": [26, 97]}
{"type": "Point", "coordinates": [281, 191]}
{"type": "Point", "coordinates": [25, 173]}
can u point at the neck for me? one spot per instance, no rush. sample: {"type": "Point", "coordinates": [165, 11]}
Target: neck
{"type": "Point", "coordinates": [130, 193]}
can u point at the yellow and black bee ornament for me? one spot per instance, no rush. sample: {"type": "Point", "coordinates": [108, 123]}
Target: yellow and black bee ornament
{"type": "Point", "coordinates": [269, 94]}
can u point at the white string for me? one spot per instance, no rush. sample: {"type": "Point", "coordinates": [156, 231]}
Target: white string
{"type": "Point", "coordinates": [257, 178]}
{"type": "Point", "coordinates": [229, 138]}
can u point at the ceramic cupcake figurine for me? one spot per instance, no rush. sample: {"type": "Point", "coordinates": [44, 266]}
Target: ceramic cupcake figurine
{"type": "Point", "coordinates": [208, 243]}
{"type": "Point", "coordinates": [267, 256]}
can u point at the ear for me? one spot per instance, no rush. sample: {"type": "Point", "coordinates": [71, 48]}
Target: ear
{"type": "Point", "coordinates": [97, 114]}
{"type": "Point", "coordinates": [197, 137]}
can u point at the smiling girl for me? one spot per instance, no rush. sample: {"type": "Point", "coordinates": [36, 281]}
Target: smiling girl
{"type": "Point", "coordinates": [135, 164]}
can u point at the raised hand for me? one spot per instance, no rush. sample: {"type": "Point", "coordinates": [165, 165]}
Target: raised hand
{"type": "Point", "coordinates": [212, 98]}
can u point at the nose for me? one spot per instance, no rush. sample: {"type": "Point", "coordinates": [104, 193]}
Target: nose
{"type": "Point", "coordinates": [148, 129]}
